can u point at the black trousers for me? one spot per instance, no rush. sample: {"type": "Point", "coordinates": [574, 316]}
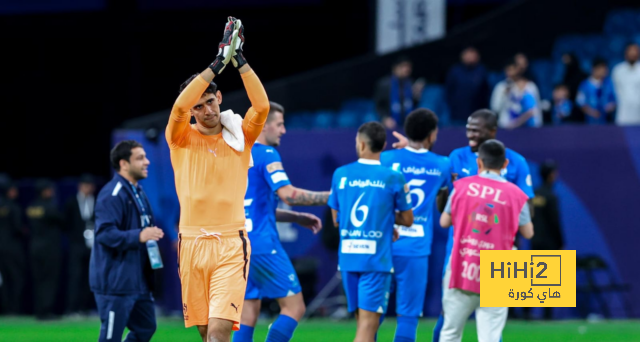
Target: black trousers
{"type": "Point", "coordinates": [45, 265]}
{"type": "Point", "coordinates": [12, 268]}
{"type": "Point", "coordinates": [79, 296]}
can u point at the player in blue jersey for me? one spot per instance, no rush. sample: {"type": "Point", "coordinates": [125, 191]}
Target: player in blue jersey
{"type": "Point", "coordinates": [426, 173]}
{"type": "Point", "coordinates": [366, 200]}
{"type": "Point", "coordinates": [271, 273]}
{"type": "Point", "coordinates": [482, 125]}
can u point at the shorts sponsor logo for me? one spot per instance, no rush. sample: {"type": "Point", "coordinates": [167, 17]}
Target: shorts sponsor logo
{"type": "Point", "coordinates": [416, 230]}
{"type": "Point", "coordinates": [184, 311]}
{"type": "Point", "coordinates": [234, 306]}
{"type": "Point", "coordinates": [359, 246]}
{"type": "Point", "coordinates": [275, 166]}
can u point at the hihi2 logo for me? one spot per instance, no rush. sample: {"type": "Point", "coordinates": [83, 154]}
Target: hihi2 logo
{"type": "Point", "coordinates": [527, 278]}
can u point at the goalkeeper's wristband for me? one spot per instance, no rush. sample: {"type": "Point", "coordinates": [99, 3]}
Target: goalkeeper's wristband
{"type": "Point", "coordinates": [238, 60]}
{"type": "Point", "coordinates": [217, 66]}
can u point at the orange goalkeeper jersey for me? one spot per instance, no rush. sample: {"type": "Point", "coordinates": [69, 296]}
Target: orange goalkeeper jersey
{"type": "Point", "coordinates": [210, 176]}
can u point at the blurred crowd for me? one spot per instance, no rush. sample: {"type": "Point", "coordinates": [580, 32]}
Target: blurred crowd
{"type": "Point", "coordinates": [594, 98]}
{"type": "Point", "coordinates": [32, 253]}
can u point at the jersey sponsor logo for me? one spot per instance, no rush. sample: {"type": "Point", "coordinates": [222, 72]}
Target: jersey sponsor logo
{"type": "Point", "coordinates": [503, 172]}
{"type": "Point", "coordinates": [279, 177]}
{"type": "Point", "coordinates": [422, 171]}
{"type": "Point", "coordinates": [416, 230]}
{"type": "Point", "coordinates": [371, 234]}
{"type": "Point", "coordinates": [363, 208]}
{"type": "Point", "coordinates": [275, 166]}
{"type": "Point", "coordinates": [367, 183]}
{"type": "Point", "coordinates": [466, 171]}
{"type": "Point", "coordinates": [269, 151]}
{"type": "Point", "coordinates": [359, 246]}
{"type": "Point", "coordinates": [395, 167]}
{"type": "Point", "coordinates": [343, 181]}
{"type": "Point", "coordinates": [528, 180]}
{"type": "Point", "coordinates": [213, 151]}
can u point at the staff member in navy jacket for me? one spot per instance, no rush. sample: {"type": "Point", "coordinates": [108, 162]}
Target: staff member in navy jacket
{"type": "Point", "coordinates": [120, 273]}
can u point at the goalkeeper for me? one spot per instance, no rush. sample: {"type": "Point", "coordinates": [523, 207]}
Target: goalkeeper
{"type": "Point", "coordinates": [210, 160]}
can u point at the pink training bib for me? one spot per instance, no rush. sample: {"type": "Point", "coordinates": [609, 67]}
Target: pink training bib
{"type": "Point", "coordinates": [485, 215]}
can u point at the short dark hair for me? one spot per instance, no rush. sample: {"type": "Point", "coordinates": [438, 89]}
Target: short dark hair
{"type": "Point", "coordinates": [420, 123]}
{"type": "Point", "coordinates": [510, 63]}
{"type": "Point", "coordinates": [560, 85]}
{"type": "Point", "coordinates": [547, 168]}
{"type": "Point", "coordinates": [630, 44]}
{"type": "Point", "coordinates": [598, 62]}
{"type": "Point", "coordinates": [87, 178]}
{"type": "Point", "coordinates": [121, 151]}
{"type": "Point", "coordinates": [493, 154]}
{"type": "Point", "coordinates": [212, 88]}
{"type": "Point", "coordinates": [490, 118]}
{"type": "Point", "coordinates": [273, 108]}
{"type": "Point", "coordinates": [5, 184]}
{"type": "Point", "coordinates": [375, 135]}
{"type": "Point", "coordinates": [401, 59]}
{"type": "Point", "coordinates": [42, 184]}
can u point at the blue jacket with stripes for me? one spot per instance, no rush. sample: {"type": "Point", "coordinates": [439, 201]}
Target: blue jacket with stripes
{"type": "Point", "coordinates": [119, 261]}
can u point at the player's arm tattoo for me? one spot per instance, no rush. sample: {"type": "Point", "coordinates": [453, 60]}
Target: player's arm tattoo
{"type": "Point", "coordinates": [306, 197]}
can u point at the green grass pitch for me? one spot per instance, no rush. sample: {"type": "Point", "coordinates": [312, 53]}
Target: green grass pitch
{"type": "Point", "coordinates": [27, 330]}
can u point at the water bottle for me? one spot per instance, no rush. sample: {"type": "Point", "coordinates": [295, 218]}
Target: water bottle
{"type": "Point", "coordinates": [154, 254]}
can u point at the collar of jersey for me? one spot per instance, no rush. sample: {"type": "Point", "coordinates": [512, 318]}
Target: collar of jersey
{"type": "Point", "coordinates": [411, 149]}
{"type": "Point", "coordinates": [492, 175]}
{"type": "Point", "coordinates": [369, 161]}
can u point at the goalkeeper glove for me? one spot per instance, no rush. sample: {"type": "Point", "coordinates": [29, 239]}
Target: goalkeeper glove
{"type": "Point", "coordinates": [238, 59]}
{"type": "Point", "coordinates": [225, 48]}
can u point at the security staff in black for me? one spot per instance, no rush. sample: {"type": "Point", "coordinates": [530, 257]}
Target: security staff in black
{"type": "Point", "coordinates": [45, 222]}
{"type": "Point", "coordinates": [80, 226]}
{"type": "Point", "coordinates": [546, 220]}
{"type": "Point", "coordinates": [12, 258]}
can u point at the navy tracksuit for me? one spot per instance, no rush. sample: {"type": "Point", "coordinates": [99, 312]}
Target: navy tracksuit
{"type": "Point", "coordinates": [120, 273]}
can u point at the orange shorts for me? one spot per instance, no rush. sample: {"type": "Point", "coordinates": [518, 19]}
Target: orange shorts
{"type": "Point", "coordinates": [213, 272]}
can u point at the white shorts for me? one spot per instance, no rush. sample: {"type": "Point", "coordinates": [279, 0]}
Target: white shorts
{"type": "Point", "coordinates": [459, 304]}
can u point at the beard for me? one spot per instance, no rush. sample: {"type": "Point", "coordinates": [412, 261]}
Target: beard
{"type": "Point", "coordinates": [137, 174]}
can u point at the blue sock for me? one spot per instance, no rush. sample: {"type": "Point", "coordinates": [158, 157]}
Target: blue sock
{"type": "Point", "coordinates": [406, 329]}
{"type": "Point", "coordinates": [375, 338]}
{"type": "Point", "coordinates": [438, 328]}
{"type": "Point", "coordinates": [282, 329]}
{"type": "Point", "coordinates": [245, 334]}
